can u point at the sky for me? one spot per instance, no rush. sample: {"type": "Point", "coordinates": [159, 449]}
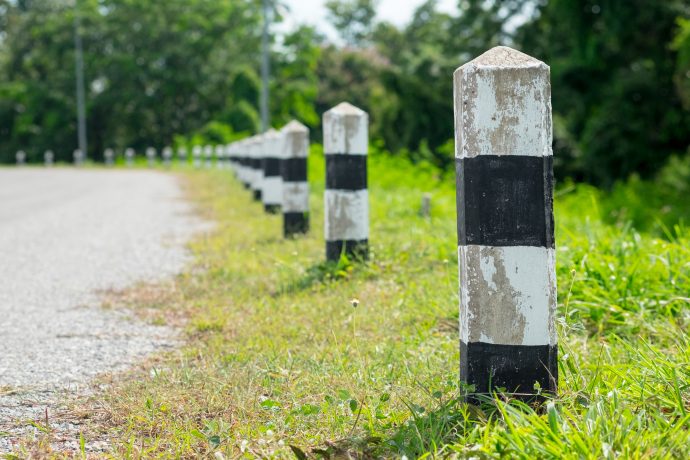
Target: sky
{"type": "Point", "coordinates": [313, 12]}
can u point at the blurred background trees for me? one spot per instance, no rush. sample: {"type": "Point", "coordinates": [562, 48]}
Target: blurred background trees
{"type": "Point", "coordinates": [620, 74]}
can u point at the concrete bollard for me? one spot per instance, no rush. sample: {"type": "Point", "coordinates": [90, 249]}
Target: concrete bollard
{"type": "Point", "coordinates": [182, 154]}
{"type": "Point", "coordinates": [151, 157]}
{"type": "Point", "coordinates": [293, 171]}
{"type": "Point", "coordinates": [20, 156]}
{"type": "Point", "coordinates": [245, 163]}
{"type": "Point", "coordinates": [196, 154]}
{"type": "Point", "coordinates": [346, 200]}
{"type": "Point", "coordinates": [167, 156]}
{"type": "Point", "coordinates": [109, 157]}
{"type": "Point", "coordinates": [208, 154]}
{"type": "Point", "coordinates": [220, 156]}
{"type": "Point", "coordinates": [257, 174]}
{"type": "Point", "coordinates": [49, 158]}
{"type": "Point", "coordinates": [506, 245]}
{"type": "Point", "coordinates": [272, 183]}
{"type": "Point", "coordinates": [78, 157]}
{"type": "Point", "coordinates": [129, 157]}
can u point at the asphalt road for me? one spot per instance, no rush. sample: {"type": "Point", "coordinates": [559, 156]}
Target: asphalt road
{"type": "Point", "coordinates": [65, 236]}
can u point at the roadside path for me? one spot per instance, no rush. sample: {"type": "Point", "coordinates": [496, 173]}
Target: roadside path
{"type": "Point", "coordinates": [65, 236]}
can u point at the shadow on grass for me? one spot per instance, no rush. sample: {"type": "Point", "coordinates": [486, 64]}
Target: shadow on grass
{"type": "Point", "coordinates": [323, 273]}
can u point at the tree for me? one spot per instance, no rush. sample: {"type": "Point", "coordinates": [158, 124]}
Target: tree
{"type": "Point", "coordinates": [353, 19]}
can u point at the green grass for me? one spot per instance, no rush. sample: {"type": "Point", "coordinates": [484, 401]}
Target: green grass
{"type": "Point", "coordinates": [288, 356]}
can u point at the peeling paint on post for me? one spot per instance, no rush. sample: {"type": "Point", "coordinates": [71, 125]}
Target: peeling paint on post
{"type": "Point", "coordinates": [505, 224]}
{"type": "Point", "coordinates": [293, 171]}
{"type": "Point", "coordinates": [346, 200]}
{"type": "Point", "coordinates": [272, 183]}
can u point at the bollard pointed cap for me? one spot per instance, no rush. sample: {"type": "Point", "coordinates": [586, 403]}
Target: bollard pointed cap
{"type": "Point", "coordinates": [504, 57]}
{"type": "Point", "coordinates": [295, 127]}
{"type": "Point", "coordinates": [345, 108]}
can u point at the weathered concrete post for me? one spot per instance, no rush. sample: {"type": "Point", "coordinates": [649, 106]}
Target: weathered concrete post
{"type": "Point", "coordinates": [208, 153]}
{"type": "Point", "coordinates": [196, 153]}
{"type": "Point", "coordinates": [293, 171]}
{"type": "Point", "coordinates": [20, 156]}
{"type": "Point", "coordinates": [151, 156]}
{"type": "Point", "coordinates": [78, 157]}
{"type": "Point", "coordinates": [109, 156]}
{"type": "Point", "coordinates": [167, 156]}
{"type": "Point", "coordinates": [505, 224]}
{"type": "Point", "coordinates": [425, 209]}
{"type": "Point", "coordinates": [272, 183]}
{"type": "Point", "coordinates": [49, 158]}
{"type": "Point", "coordinates": [346, 200]}
{"type": "Point", "coordinates": [257, 177]}
{"type": "Point", "coordinates": [129, 157]}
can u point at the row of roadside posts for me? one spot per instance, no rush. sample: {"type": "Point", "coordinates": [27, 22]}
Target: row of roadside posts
{"type": "Point", "coordinates": [504, 184]}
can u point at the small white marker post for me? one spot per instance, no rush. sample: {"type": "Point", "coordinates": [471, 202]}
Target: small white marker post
{"type": "Point", "coordinates": [208, 153]}
{"type": "Point", "coordinates": [196, 154]}
{"type": "Point", "coordinates": [346, 144]}
{"type": "Point", "coordinates": [220, 156]}
{"type": "Point", "coordinates": [151, 156]}
{"type": "Point", "coordinates": [20, 156]}
{"type": "Point", "coordinates": [129, 157]}
{"type": "Point", "coordinates": [78, 157]}
{"type": "Point", "coordinates": [293, 171]}
{"type": "Point", "coordinates": [257, 175]}
{"type": "Point", "coordinates": [182, 154]}
{"type": "Point", "coordinates": [167, 156]}
{"type": "Point", "coordinates": [506, 244]}
{"type": "Point", "coordinates": [109, 156]}
{"type": "Point", "coordinates": [49, 158]}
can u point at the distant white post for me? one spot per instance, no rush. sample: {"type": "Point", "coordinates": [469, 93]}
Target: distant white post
{"type": "Point", "coordinates": [151, 156]}
{"type": "Point", "coordinates": [346, 142]}
{"type": "Point", "coordinates": [220, 156]}
{"type": "Point", "coordinates": [272, 184]}
{"type": "Point", "coordinates": [293, 170]}
{"type": "Point", "coordinates": [182, 154]}
{"type": "Point", "coordinates": [167, 156]}
{"type": "Point", "coordinates": [208, 153]}
{"type": "Point", "coordinates": [78, 157]}
{"type": "Point", "coordinates": [196, 153]}
{"type": "Point", "coordinates": [109, 156]}
{"type": "Point", "coordinates": [49, 158]}
{"type": "Point", "coordinates": [257, 178]}
{"type": "Point", "coordinates": [129, 157]}
{"type": "Point", "coordinates": [506, 244]}
{"type": "Point", "coordinates": [20, 156]}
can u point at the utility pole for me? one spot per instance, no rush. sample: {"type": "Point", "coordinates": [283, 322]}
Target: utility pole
{"type": "Point", "coordinates": [265, 67]}
{"type": "Point", "coordinates": [79, 70]}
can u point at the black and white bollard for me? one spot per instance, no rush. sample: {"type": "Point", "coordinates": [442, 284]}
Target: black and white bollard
{"type": "Point", "coordinates": [78, 157]}
{"type": "Point", "coordinates": [129, 157]}
{"type": "Point", "coordinates": [346, 200]}
{"type": "Point", "coordinates": [109, 157]}
{"type": "Point", "coordinates": [257, 175]}
{"type": "Point", "coordinates": [208, 154]}
{"type": "Point", "coordinates": [196, 154]}
{"type": "Point", "coordinates": [243, 162]}
{"type": "Point", "coordinates": [20, 156]}
{"type": "Point", "coordinates": [151, 157]}
{"type": "Point", "coordinates": [167, 156]}
{"type": "Point", "coordinates": [49, 158]}
{"type": "Point", "coordinates": [506, 245]}
{"type": "Point", "coordinates": [272, 183]}
{"type": "Point", "coordinates": [182, 155]}
{"type": "Point", "coordinates": [293, 171]}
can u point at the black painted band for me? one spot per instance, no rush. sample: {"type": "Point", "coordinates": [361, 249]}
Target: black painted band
{"type": "Point", "coordinates": [272, 208]}
{"type": "Point", "coordinates": [505, 200]}
{"type": "Point", "coordinates": [346, 172]}
{"type": "Point", "coordinates": [357, 249]}
{"type": "Point", "coordinates": [271, 166]}
{"type": "Point", "coordinates": [294, 169]}
{"type": "Point", "coordinates": [256, 163]}
{"type": "Point", "coordinates": [295, 223]}
{"type": "Point", "coordinates": [257, 195]}
{"type": "Point", "coordinates": [513, 368]}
